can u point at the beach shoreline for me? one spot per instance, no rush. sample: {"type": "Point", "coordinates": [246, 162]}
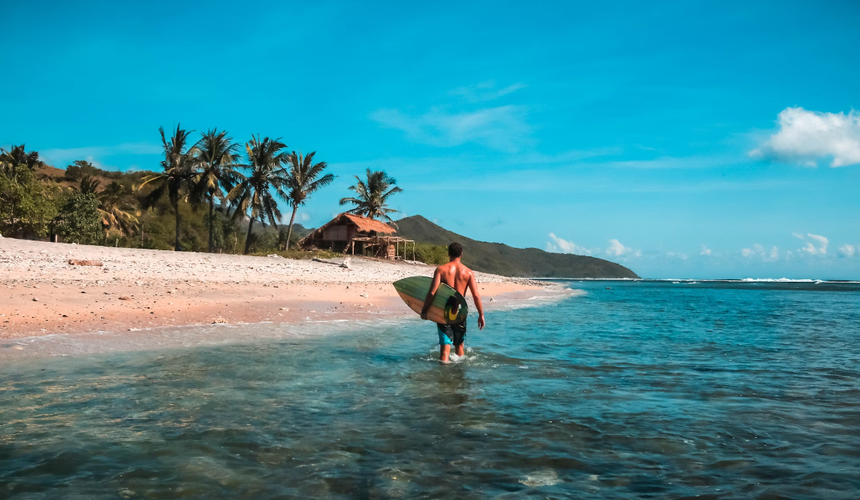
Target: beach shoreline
{"type": "Point", "coordinates": [135, 290]}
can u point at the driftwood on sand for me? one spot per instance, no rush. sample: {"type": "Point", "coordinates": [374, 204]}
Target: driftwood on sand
{"type": "Point", "coordinates": [78, 262]}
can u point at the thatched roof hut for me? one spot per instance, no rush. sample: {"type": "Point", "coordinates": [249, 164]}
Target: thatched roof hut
{"type": "Point", "coordinates": [363, 235]}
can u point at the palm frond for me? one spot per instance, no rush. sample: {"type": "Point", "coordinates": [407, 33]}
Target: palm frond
{"type": "Point", "coordinates": [372, 194]}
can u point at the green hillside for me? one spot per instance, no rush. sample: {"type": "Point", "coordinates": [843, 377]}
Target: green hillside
{"type": "Point", "coordinates": [498, 258]}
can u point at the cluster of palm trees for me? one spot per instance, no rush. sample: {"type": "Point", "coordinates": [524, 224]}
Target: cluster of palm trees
{"type": "Point", "coordinates": [213, 169]}
{"type": "Point", "coordinates": [210, 170]}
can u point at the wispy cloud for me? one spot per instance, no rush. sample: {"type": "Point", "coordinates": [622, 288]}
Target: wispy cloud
{"type": "Point", "coordinates": [564, 158]}
{"type": "Point", "coordinates": [759, 251]}
{"type": "Point", "coordinates": [616, 249]}
{"type": "Point", "coordinates": [503, 128]}
{"type": "Point", "coordinates": [812, 249]}
{"type": "Point", "coordinates": [677, 255]}
{"type": "Point", "coordinates": [808, 137]}
{"type": "Point", "coordinates": [705, 251]}
{"type": "Point", "coordinates": [59, 157]}
{"type": "Point", "coordinates": [847, 250]}
{"type": "Point", "coordinates": [669, 162]}
{"type": "Point", "coordinates": [485, 91]}
{"type": "Point", "coordinates": [559, 245]}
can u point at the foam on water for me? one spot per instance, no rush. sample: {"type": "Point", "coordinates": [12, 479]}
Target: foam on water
{"type": "Point", "coordinates": [705, 280]}
{"type": "Point", "coordinates": [542, 478]}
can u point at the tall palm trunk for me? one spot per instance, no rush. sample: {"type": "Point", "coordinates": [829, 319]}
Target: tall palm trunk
{"type": "Point", "coordinates": [248, 238]}
{"type": "Point", "coordinates": [176, 245]}
{"type": "Point", "coordinates": [290, 230]}
{"type": "Point", "coordinates": [211, 223]}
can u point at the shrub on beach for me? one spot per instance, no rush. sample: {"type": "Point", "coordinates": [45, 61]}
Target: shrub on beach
{"type": "Point", "coordinates": [426, 253]}
{"type": "Point", "coordinates": [27, 205]}
{"type": "Point", "coordinates": [79, 220]}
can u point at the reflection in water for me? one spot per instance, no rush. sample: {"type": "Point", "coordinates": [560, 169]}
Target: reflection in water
{"type": "Point", "coordinates": [642, 390]}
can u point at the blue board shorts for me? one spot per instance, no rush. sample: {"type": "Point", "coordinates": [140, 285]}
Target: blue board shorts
{"type": "Point", "coordinates": [451, 334]}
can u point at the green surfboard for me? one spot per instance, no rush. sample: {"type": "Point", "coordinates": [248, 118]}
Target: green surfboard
{"type": "Point", "coordinates": [448, 307]}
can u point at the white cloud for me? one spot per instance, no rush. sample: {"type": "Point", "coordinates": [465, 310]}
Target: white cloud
{"type": "Point", "coordinates": [798, 235]}
{"type": "Point", "coordinates": [847, 250]}
{"type": "Point", "coordinates": [677, 255]}
{"type": "Point", "coordinates": [616, 249]}
{"type": "Point", "coordinates": [810, 247]}
{"type": "Point", "coordinates": [301, 217]}
{"type": "Point", "coordinates": [94, 154]}
{"type": "Point", "coordinates": [774, 253]}
{"type": "Point", "coordinates": [503, 128]}
{"type": "Point", "coordinates": [485, 91]}
{"type": "Point", "coordinates": [759, 252]}
{"type": "Point", "coordinates": [559, 245]}
{"type": "Point", "coordinates": [807, 137]}
{"type": "Point", "coordinates": [705, 251]}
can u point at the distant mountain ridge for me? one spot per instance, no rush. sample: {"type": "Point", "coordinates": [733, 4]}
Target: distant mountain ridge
{"type": "Point", "coordinates": [498, 258]}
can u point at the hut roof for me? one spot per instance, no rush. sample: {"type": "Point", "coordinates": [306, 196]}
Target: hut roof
{"type": "Point", "coordinates": [364, 224]}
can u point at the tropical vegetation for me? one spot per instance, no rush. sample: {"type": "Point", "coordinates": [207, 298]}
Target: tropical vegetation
{"type": "Point", "coordinates": [243, 195]}
{"type": "Point", "coordinates": [176, 177]}
{"type": "Point", "coordinates": [303, 179]}
{"type": "Point", "coordinates": [216, 174]}
{"type": "Point", "coordinates": [372, 195]}
{"type": "Point", "coordinates": [253, 195]}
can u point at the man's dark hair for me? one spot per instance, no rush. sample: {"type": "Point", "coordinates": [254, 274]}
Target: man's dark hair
{"type": "Point", "coordinates": [455, 250]}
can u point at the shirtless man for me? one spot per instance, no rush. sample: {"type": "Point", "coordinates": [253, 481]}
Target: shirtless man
{"type": "Point", "coordinates": [458, 277]}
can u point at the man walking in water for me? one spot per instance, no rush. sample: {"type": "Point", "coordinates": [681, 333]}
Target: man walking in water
{"type": "Point", "coordinates": [458, 277]}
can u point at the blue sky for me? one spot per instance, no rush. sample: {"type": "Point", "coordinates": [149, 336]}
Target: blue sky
{"type": "Point", "coordinates": [681, 139]}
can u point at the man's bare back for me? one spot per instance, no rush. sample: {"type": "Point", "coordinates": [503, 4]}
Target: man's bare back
{"type": "Point", "coordinates": [455, 275]}
{"type": "Point", "coordinates": [460, 278]}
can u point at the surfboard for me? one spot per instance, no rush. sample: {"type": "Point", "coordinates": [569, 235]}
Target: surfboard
{"type": "Point", "coordinates": [448, 307]}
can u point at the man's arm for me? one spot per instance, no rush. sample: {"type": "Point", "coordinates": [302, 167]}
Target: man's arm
{"type": "Point", "coordinates": [428, 301]}
{"type": "Point", "coordinates": [476, 296]}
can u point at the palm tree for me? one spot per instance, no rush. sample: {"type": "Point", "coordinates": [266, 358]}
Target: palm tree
{"type": "Point", "coordinates": [116, 214]}
{"type": "Point", "coordinates": [178, 166]}
{"type": "Point", "coordinates": [89, 184]}
{"type": "Point", "coordinates": [301, 175]}
{"type": "Point", "coordinates": [15, 156]}
{"type": "Point", "coordinates": [216, 158]}
{"type": "Point", "coordinates": [373, 195]}
{"type": "Point", "coordinates": [254, 192]}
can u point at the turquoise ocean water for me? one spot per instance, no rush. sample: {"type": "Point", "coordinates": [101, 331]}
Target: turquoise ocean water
{"type": "Point", "coordinates": [644, 390]}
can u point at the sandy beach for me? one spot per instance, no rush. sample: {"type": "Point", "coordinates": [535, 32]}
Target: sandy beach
{"type": "Point", "coordinates": [133, 289]}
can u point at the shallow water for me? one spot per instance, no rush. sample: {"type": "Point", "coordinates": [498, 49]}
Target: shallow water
{"type": "Point", "coordinates": [646, 390]}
